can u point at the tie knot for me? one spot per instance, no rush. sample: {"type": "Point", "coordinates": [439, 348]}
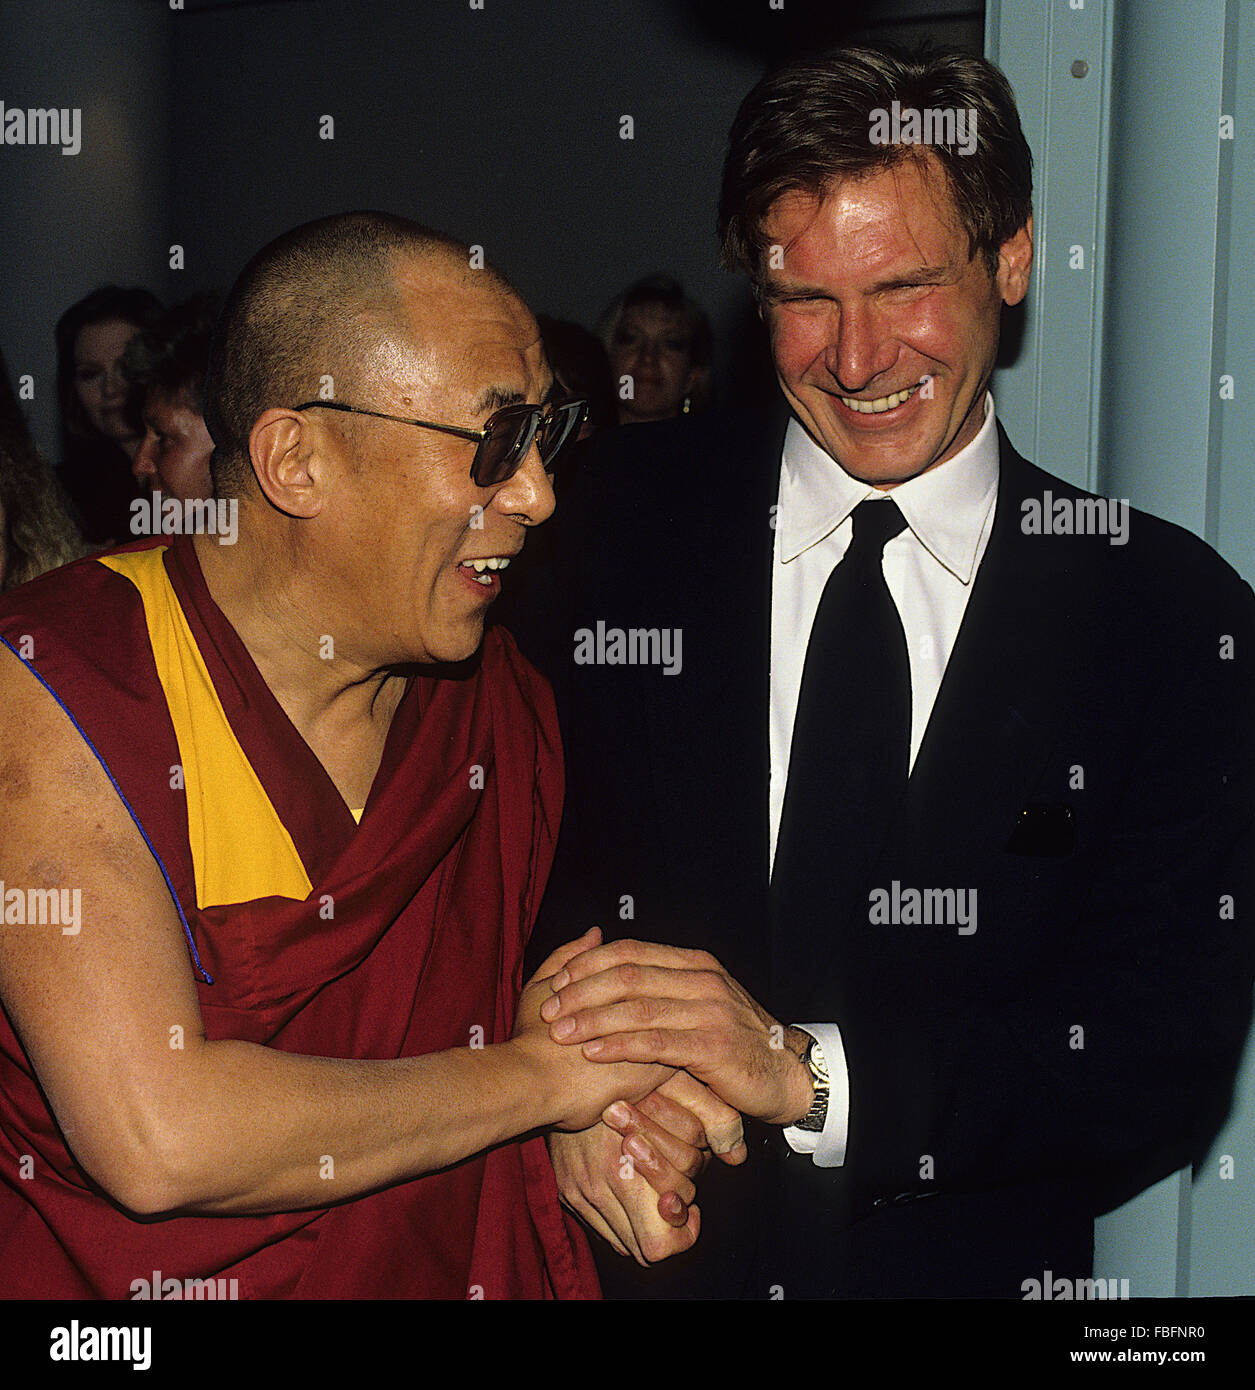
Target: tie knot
{"type": "Point", "coordinates": [875, 525]}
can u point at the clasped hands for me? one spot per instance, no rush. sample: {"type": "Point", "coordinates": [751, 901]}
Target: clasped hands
{"type": "Point", "coordinates": [633, 1002]}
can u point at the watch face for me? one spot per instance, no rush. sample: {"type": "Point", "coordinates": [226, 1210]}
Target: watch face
{"type": "Point", "coordinates": [815, 1059]}
{"type": "Point", "coordinates": [816, 1064]}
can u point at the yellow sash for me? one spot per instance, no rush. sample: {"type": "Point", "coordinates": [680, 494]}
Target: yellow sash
{"type": "Point", "coordinates": [240, 848]}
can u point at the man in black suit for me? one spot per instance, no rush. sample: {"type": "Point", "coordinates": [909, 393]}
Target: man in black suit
{"type": "Point", "coordinates": [950, 763]}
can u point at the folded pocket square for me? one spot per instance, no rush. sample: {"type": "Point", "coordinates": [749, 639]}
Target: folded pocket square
{"type": "Point", "coordinates": [1043, 830]}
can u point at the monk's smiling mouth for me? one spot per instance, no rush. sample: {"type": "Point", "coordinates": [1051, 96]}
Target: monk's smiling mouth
{"type": "Point", "coordinates": [484, 572]}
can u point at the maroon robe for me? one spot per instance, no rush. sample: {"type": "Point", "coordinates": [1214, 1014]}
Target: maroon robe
{"type": "Point", "coordinates": [434, 895]}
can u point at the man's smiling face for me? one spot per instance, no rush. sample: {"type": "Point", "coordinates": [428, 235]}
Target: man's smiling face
{"type": "Point", "coordinates": [877, 292]}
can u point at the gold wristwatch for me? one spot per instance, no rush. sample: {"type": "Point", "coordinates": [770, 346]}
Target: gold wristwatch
{"type": "Point", "coordinates": [814, 1061]}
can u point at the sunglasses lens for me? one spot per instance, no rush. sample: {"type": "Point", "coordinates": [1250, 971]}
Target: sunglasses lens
{"type": "Point", "coordinates": [561, 425]}
{"type": "Point", "coordinates": [510, 433]}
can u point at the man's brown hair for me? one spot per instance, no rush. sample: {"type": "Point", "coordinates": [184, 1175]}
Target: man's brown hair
{"type": "Point", "coordinates": [810, 122]}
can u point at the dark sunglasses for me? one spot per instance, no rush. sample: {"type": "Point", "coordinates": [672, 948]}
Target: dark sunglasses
{"type": "Point", "coordinates": [507, 435]}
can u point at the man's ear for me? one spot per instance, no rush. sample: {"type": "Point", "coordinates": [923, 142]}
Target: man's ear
{"type": "Point", "coordinates": [285, 462]}
{"type": "Point", "coordinates": [1015, 260]}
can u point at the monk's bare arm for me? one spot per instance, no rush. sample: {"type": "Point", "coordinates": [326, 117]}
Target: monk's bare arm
{"type": "Point", "coordinates": [219, 1126]}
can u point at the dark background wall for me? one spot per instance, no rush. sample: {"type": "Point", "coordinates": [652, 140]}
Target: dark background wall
{"type": "Point", "coordinates": [71, 222]}
{"type": "Point", "coordinates": [501, 125]}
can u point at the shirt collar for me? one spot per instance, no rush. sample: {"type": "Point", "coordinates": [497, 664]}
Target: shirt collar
{"type": "Point", "coordinates": [946, 507]}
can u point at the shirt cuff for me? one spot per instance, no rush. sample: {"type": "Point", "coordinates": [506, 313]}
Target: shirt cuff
{"type": "Point", "coordinates": [827, 1146]}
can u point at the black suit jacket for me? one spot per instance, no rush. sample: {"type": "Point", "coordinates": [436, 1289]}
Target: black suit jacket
{"type": "Point", "coordinates": [1088, 770]}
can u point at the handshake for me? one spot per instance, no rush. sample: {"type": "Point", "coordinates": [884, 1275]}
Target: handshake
{"type": "Point", "coordinates": [653, 1054]}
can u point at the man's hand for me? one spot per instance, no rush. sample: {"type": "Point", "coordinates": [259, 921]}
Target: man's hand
{"type": "Point", "coordinates": [634, 1001]}
{"type": "Point", "coordinates": [571, 1089]}
{"type": "Point", "coordinates": [687, 1111]}
{"type": "Point", "coordinates": [612, 1193]}
{"type": "Point", "coordinates": [631, 1178]}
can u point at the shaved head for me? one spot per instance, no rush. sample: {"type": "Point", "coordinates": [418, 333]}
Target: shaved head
{"type": "Point", "coordinates": [314, 315]}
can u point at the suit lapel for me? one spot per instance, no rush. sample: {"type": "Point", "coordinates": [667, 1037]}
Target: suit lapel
{"type": "Point", "coordinates": [994, 719]}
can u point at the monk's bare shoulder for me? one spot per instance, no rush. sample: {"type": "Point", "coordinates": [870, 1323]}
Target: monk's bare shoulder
{"type": "Point", "coordinates": [51, 784]}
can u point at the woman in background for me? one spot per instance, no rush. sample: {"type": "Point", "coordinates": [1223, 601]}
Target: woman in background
{"type": "Point", "coordinates": [100, 432]}
{"type": "Point", "coordinates": [660, 346]}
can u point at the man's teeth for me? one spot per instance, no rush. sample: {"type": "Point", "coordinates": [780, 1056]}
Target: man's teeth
{"type": "Point", "coordinates": [878, 407]}
{"type": "Point", "coordinates": [492, 562]}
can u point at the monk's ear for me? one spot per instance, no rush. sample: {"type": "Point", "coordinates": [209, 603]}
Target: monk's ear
{"type": "Point", "coordinates": [285, 462]}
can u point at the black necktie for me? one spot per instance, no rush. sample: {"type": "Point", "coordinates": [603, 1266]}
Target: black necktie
{"type": "Point", "coordinates": [850, 754]}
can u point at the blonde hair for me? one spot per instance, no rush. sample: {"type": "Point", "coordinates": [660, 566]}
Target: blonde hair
{"type": "Point", "coordinates": [38, 534]}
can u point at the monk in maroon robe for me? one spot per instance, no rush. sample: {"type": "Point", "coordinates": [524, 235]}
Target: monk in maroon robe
{"type": "Point", "coordinates": [277, 823]}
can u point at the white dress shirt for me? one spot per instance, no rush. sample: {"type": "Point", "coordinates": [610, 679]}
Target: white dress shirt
{"type": "Point", "coordinates": [929, 569]}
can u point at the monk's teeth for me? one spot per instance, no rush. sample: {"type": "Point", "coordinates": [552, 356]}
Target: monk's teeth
{"type": "Point", "coordinates": [881, 404]}
{"type": "Point", "coordinates": [491, 562]}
